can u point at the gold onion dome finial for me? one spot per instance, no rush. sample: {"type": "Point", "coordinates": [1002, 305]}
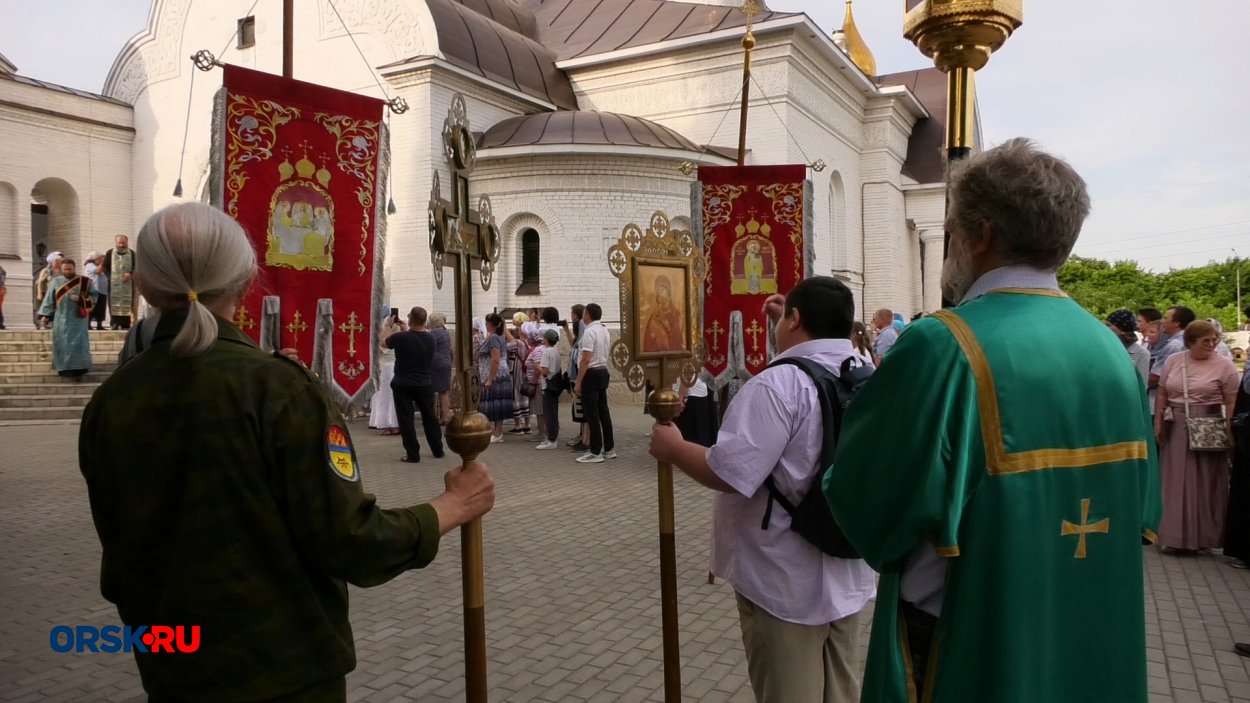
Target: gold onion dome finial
{"type": "Point", "coordinates": [854, 45]}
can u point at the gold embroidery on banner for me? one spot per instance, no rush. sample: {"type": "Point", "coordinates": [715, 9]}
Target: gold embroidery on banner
{"type": "Point", "coordinates": [717, 210]}
{"type": "Point", "coordinates": [788, 209]}
{"type": "Point", "coordinates": [1067, 529]}
{"type": "Point", "coordinates": [301, 217]}
{"type": "Point", "coordinates": [997, 459]}
{"type": "Point", "coordinates": [253, 124]}
{"type": "Point", "coordinates": [357, 148]}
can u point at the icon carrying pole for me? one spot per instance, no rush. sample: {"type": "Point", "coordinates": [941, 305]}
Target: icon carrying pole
{"type": "Point", "coordinates": [641, 261]}
{"type": "Point", "coordinates": [663, 404]}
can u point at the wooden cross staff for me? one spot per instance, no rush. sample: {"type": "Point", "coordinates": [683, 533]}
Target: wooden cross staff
{"type": "Point", "coordinates": [462, 239]}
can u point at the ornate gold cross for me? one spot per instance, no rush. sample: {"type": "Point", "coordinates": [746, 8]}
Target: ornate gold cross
{"type": "Point", "coordinates": [241, 320]}
{"type": "Point", "coordinates": [1068, 529]}
{"type": "Point", "coordinates": [462, 238]}
{"type": "Point", "coordinates": [716, 331]}
{"type": "Point", "coordinates": [755, 331]}
{"type": "Point", "coordinates": [351, 327]}
{"type": "Point", "coordinates": [297, 325]}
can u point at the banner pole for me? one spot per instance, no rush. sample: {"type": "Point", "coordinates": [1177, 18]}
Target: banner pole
{"type": "Point", "coordinates": [288, 38]}
{"type": "Point", "coordinates": [663, 405]}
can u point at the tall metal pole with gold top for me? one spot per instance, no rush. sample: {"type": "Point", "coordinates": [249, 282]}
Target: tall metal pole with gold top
{"type": "Point", "coordinates": [464, 238]}
{"type": "Point", "coordinates": [750, 8]}
{"type": "Point", "coordinates": [661, 272]}
{"type": "Point", "coordinates": [960, 35]}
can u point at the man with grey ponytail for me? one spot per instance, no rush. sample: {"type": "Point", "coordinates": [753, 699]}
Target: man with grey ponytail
{"type": "Point", "coordinates": [226, 492]}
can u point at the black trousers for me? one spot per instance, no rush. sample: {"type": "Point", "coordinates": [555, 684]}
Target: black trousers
{"type": "Point", "coordinates": [101, 307]}
{"type": "Point", "coordinates": [119, 322]}
{"type": "Point", "coordinates": [921, 627]}
{"type": "Point", "coordinates": [551, 413]}
{"type": "Point", "coordinates": [595, 405]}
{"type": "Point", "coordinates": [408, 401]}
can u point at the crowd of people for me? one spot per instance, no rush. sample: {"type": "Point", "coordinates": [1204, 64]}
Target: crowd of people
{"type": "Point", "coordinates": [997, 471]}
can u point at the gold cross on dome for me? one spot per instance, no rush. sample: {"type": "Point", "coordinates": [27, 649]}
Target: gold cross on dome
{"type": "Point", "coordinates": [241, 319]}
{"type": "Point", "coordinates": [1068, 529]}
{"type": "Point", "coordinates": [297, 325]}
{"type": "Point", "coordinates": [351, 327]}
{"type": "Point", "coordinates": [751, 8]}
{"type": "Point", "coordinates": [755, 331]}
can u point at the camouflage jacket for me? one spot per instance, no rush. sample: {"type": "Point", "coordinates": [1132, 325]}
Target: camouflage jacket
{"type": "Point", "coordinates": [226, 494]}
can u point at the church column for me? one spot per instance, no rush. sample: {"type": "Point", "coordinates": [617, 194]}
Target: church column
{"type": "Point", "coordinates": [932, 242]}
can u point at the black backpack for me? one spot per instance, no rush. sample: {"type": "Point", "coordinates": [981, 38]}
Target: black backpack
{"type": "Point", "coordinates": [811, 518]}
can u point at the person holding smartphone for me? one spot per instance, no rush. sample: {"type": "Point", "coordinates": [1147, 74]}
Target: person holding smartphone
{"type": "Point", "coordinates": [413, 383]}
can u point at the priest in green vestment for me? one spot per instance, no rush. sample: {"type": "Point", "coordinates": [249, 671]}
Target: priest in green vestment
{"type": "Point", "coordinates": [998, 469]}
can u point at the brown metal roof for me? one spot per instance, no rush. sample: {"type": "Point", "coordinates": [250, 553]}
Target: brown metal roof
{"type": "Point", "coordinates": [588, 127]}
{"type": "Point", "coordinates": [573, 28]}
{"type": "Point", "coordinates": [926, 160]}
{"type": "Point", "coordinates": [498, 40]}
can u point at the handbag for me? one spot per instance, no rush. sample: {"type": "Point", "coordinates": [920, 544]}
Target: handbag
{"type": "Point", "coordinates": [1206, 434]}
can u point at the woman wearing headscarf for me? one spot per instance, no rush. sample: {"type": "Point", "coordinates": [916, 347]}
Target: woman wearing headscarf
{"type": "Point", "coordinates": [1195, 383]}
{"type": "Point", "coordinates": [49, 272]}
{"type": "Point", "coordinates": [382, 413]}
{"type": "Point", "coordinates": [492, 369]}
{"type": "Point", "coordinates": [1124, 324]}
{"type": "Point", "coordinates": [518, 353]}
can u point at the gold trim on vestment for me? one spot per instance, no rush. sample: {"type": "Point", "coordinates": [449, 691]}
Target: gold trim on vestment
{"type": "Point", "coordinates": [947, 551]}
{"type": "Point", "coordinates": [908, 671]}
{"type": "Point", "coordinates": [997, 459]}
{"type": "Point", "coordinates": [1149, 534]}
{"type": "Point", "coordinates": [930, 675]}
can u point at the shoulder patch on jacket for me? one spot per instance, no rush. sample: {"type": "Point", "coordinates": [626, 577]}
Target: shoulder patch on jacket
{"type": "Point", "coordinates": [339, 450]}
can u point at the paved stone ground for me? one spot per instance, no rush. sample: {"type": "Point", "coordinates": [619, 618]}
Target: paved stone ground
{"type": "Point", "coordinates": [572, 588]}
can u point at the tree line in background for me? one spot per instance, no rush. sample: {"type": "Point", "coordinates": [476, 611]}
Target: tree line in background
{"type": "Point", "coordinates": [1103, 287]}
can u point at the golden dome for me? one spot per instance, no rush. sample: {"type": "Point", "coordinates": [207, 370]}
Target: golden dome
{"type": "Point", "coordinates": [854, 45]}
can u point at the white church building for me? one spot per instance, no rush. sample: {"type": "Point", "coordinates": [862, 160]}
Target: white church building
{"type": "Point", "coordinates": [586, 110]}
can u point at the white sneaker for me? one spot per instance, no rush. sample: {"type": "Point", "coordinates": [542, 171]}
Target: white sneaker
{"type": "Point", "coordinates": [609, 454]}
{"type": "Point", "coordinates": [496, 440]}
{"type": "Point", "coordinates": [589, 458]}
{"type": "Point", "coordinates": [547, 445]}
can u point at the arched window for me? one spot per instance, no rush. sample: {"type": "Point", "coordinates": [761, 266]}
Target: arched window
{"type": "Point", "coordinates": [529, 263]}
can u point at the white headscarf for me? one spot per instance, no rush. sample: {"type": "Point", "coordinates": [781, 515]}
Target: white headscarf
{"type": "Point", "coordinates": [479, 325]}
{"type": "Point", "coordinates": [54, 256]}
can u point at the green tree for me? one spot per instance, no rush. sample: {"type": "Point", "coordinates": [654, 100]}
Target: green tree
{"type": "Point", "coordinates": [1103, 287]}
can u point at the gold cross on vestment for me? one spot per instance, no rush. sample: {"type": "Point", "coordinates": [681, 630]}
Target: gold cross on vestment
{"type": "Point", "coordinates": [351, 327]}
{"type": "Point", "coordinates": [297, 325]}
{"type": "Point", "coordinates": [755, 331]}
{"type": "Point", "coordinates": [716, 331]}
{"type": "Point", "coordinates": [241, 320]}
{"type": "Point", "coordinates": [1068, 529]}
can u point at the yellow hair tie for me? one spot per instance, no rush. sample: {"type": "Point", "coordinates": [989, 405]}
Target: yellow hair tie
{"type": "Point", "coordinates": [193, 296]}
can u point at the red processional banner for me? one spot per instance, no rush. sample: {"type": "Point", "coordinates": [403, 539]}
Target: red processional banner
{"type": "Point", "coordinates": [302, 168]}
{"type": "Point", "coordinates": [754, 238]}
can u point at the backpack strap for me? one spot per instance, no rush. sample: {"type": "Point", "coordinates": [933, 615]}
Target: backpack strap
{"type": "Point", "coordinates": [829, 409]}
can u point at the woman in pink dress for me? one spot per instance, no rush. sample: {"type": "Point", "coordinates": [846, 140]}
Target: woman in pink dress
{"type": "Point", "coordinates": [1195, 484]}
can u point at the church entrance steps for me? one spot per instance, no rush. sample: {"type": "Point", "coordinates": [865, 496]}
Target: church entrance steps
{"type": "Point", "coordinates": [8, 414]}
{"type": "Point", "coordinates": [22, 385]}
{"type": "Point", "coordinates": [32, 393]}
{"type": "Point", "coordinates": [48, 376]}
{"type": "Point", "coordinates": [39, 400]}
{"type": "Point", "coordinates": [39, 423]}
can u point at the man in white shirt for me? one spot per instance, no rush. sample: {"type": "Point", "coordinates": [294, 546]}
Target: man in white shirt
{"type": "Point", "coordinates": [592, 386]}
{"type": "Point", "coordinates": [883, 322]}
{"type": "Point", "coordinates": [798, 607]}
{"type": "Point", "coordinates": [549, 372]}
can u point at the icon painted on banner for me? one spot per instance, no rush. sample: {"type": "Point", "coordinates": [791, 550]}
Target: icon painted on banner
{"type": "Point", "coordinates": [342, 462]}
{"type": "Point", "coordinates": [754, 260]}
{"type": "Point", "coordinates": [301, 218]}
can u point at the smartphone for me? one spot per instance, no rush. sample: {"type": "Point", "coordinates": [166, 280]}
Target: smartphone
{"type": "Point", "coordinates": [395, 313]}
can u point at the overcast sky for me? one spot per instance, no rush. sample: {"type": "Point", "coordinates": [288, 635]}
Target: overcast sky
{"type": "Point", "coordinates": [1147, 99]}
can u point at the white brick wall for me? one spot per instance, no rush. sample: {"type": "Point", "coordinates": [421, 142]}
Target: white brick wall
{"type": "Point", "coordinates": [76, 152]}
